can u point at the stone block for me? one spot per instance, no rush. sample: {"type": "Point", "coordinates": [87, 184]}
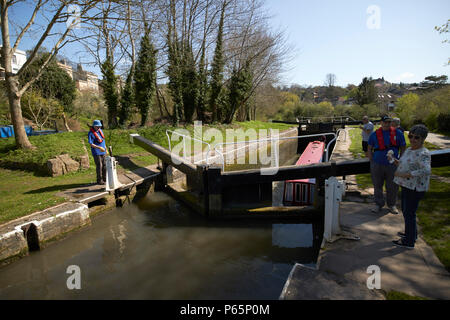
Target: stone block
{"type": "Point", "coordinates": [70, 164]}
{"type": "Point", "coordinates": [55, 167]}
{"type": "Point", "coordinates": [84, 162]}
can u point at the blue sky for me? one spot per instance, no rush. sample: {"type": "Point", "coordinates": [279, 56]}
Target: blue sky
{"type": "Point", "coordinates": [332, 36]}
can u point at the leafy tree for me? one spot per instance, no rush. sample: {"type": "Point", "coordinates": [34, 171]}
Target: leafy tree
{"type": "Point", "coordinates": [110, 92]}
{"type": "Point", "coordinates": [39, 109]}
{"type": "Point", "coordinates": [366, 92]}
{"type": "Point", "coordinates": [175, 76]}
{"type": "Point", "coordinates": [437, 81]}
{"type": "Point", "coordinates": [190, 83]}
{"type": "Point", "coordinates": [217, 69]}
{"type": "Point", "coordinates": [54, 82]}
{"type": "Point", "coordinates": [127, 99]}
{"type": "Point", "coordinates": [145, 77]}
{"type": "Point", "coordinates": [239, 92]}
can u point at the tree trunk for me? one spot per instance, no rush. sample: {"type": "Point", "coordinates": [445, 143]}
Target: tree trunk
{"type": "Point", "coordinates": [66, 125]}
{"type": "Point", "coordinates": [16, 113]}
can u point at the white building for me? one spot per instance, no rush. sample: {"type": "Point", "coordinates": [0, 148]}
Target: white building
{"type": "Point", "coordinates": [18, 60]}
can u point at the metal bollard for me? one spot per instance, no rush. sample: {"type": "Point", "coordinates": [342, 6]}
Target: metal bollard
{"type": "Point", "coordinates": [112, 182]}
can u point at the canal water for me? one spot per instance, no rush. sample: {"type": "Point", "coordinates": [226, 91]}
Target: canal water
{"type": "Point", "coordinates": [159, 249]}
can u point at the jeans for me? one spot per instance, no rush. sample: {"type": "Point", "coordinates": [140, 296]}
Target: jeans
{"type": "Point", "coordinates": [100, 165]}
{"type": "Point", "coordinates": [410, 203]}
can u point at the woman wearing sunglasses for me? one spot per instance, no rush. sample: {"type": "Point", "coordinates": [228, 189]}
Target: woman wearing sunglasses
{"type": "Point", "coordinates": [413, 175]}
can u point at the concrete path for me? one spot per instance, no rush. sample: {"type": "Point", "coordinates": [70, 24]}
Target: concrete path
{"type": "Point", "coordinates": [439, 140]}
{"type": "Point", "coordinates": [342, 265]}
{"type": "Point", "coordinates": [416, 272]}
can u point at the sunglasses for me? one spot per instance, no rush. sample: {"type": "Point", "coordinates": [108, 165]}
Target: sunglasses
{"type": "Point", "coordinates": [411, 136]}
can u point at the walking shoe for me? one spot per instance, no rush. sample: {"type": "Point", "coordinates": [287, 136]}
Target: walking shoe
{"type": "Point", "coordinates": [400, 243]}
{"type": "Point", "coordinates": [401, 234]}
{"type": "Point", "coordinates": [376, 209]}
{"type": "Point", "coordinates": [393, 210]}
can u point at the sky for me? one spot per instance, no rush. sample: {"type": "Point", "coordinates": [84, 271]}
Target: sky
{"type": "Point", "coordinates": [352, 39]}
{"type": "Point", "coordinates": [346, 38]}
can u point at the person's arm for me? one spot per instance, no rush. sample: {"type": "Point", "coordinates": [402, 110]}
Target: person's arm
{"type": "Point", "coordinates": [369, 152]}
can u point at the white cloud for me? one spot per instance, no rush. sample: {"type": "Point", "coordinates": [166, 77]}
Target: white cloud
{"type": "Point", "coordinates": [405, 76]}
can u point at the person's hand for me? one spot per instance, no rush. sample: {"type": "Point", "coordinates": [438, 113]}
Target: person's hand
{"type": "Point", "coordinates": [403, 175]}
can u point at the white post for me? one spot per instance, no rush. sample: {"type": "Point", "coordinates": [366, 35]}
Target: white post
{"type": "Point", "coordinates": [112, 182]}
{"type": "Point", "coordinates": [334, 191]}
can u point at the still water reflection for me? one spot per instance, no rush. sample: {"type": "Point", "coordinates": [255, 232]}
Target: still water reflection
{"type": "Point", "coordinates": [158, 249]}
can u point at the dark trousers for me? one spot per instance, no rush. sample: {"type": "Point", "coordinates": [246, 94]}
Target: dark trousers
{"type": "Point", "coordinates": [100, 165]}
{"type": "Point", "coordinates": [410, 203]}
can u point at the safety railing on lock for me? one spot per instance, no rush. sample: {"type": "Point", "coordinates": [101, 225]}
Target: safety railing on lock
{"type": "Point", "coordinates": [272, 139]}
{"type": "Point", "coordinates": [183, 136]}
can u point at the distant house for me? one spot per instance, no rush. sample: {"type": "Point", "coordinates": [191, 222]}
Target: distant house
{"type": "Point", "coordinates": [84, 80]}
{"type": "Point", "coordinates": [18, 60]}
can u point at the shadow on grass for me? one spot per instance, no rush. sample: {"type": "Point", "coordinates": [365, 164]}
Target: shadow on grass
{"type": "Point", "coordinates": [83, 188]}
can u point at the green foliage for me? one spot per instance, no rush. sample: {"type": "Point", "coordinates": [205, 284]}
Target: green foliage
{"type": "Point", "coordinates": [217, 70]}
{"type": "Point", "coordinates": [190, 83]}
{"type": "Point", "coordinates": [427, 108]}
{"type": "Point", "coordinates": [145, 77]}
{"type": "Point", "coordinates": [54, 82]}
{"type": "Point", "coordinates": [127, 99]}
{"type": "Point", "coordinates": [240, 86]}
{"type": "Point", "coordinates": [110, 92]}
{"type": "Point", "coordinates": [175, 77]}
{"type": "Point", "coordinates": [366, 93]}
{"type": "Point", "coordinates": [39, 109]}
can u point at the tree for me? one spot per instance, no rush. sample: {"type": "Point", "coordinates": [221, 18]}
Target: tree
{"type": "Point", "coordinates": [437, 81]}
{"type": "Point", "coordinates": [366, 92]}
{"type": "Point", "coordinates": [145, 77]}
{"type": "Point", "coordinates": [330, 80]}
{"type": "Point", "coordinates": [127, 99]}
{"type": "Point", "coordinates": [110, 92]}
{"type": "Point", "coordinates": [239, 92]}
{"type": "Point", "coordinates": [444, 29]}
{"type": "Point", "coordinates": [190, 83]}
{"type": "Point", "coordinates": [217, 69]}
{"type": "Point", "coordinates": [39, 109]}
{"type": "Point", "coordinates": [53, 83]}
{"type": "Point", "coordinates": [55, 12]}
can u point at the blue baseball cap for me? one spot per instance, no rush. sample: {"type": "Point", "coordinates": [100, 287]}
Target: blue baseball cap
{"type": "Point", "coordinates": [97, 123]}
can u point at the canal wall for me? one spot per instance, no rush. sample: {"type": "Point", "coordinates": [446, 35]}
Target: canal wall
{"type": "Point", "coordinates": [36, 231]}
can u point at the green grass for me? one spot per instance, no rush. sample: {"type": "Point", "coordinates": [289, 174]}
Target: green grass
{"type": "Point", "coordinates": [396, 295]}
{"type": "Point", "coordinates": [22, 192]}
{"type": "Point", "coordinates": [434, 217]}
{"type": "Point", "coordinates": [25, 186]}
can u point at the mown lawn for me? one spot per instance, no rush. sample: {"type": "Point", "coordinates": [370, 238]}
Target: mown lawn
{"type": "Point", "coordinates": [25, 186]}
{"type": "Point", "coordinates": [433, 213]}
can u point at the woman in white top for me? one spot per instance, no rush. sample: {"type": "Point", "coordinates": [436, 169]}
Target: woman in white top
{"type": "Point", "coordinates": [413, 175]}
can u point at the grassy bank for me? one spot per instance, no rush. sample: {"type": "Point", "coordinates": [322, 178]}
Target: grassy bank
{"type": "Point", "coordinates": [433, 213]}
{"type": "Point", "coordinates": [25, 186]}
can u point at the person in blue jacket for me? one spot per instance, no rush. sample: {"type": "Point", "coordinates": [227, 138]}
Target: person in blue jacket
{"type": "Point", "coordinates": [381, 142]}
{"type": "Point", "coordinates": [98, 148]}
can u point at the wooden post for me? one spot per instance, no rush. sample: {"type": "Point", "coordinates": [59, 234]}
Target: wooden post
{"type": "Point", "coordinates": [202, 188]}
{"type": "Point", "coordinates": [214, 191]}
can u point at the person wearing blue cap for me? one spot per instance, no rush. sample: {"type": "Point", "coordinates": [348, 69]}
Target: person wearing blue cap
{"type": "Point", "coordinates": [98, 148]}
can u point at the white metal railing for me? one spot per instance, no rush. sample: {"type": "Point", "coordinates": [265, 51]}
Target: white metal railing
{"type": "Point", "coordinates": [335, 138]}
{"type": "Point", "coordinates": [184, 144]}
{"type": "Point", "coordinates": [272, 139]}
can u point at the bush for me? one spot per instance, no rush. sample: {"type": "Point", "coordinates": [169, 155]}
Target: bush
{"type": "Point", "coordinates": [443, 122]}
